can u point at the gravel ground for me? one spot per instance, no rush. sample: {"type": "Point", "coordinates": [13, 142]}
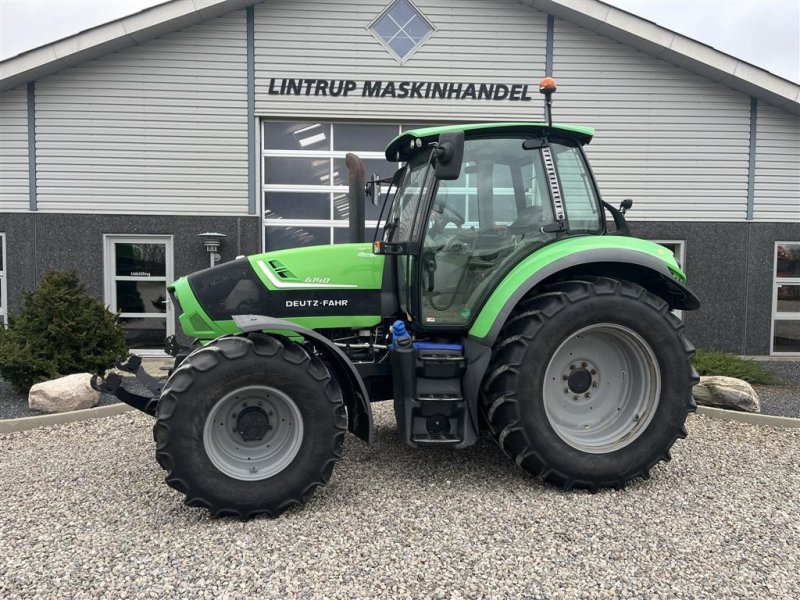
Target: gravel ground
{"type": "Point", "coordinates": [782, 400]}
{"type": "Point", "coordinates": [786, 371]}
{"type": "Point", "coordinates": [86, 514]}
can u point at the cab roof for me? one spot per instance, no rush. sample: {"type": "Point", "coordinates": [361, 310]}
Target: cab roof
{"type": "Point", "coordinates": [402, 147]}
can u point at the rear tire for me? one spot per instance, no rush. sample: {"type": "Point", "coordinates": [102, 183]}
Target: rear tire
{"type": "Point", "coordinates": [590, 383]}
{"type": "Point", "coordinates": [249, 425]}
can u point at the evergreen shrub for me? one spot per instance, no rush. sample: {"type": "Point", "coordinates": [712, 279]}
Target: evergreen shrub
{"type": "Point", "coordinates": [61, 329]}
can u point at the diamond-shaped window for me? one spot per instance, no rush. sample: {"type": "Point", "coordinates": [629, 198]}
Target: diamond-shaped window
{"type": "Point", "coordinates": [401, 28]}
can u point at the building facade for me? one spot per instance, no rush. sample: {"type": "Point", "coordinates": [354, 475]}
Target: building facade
{"type": "Point", "coordinates": [122, 144]}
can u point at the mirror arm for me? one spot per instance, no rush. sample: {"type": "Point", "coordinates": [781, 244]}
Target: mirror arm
{"type": "Point", "coordinates": [619, 220]}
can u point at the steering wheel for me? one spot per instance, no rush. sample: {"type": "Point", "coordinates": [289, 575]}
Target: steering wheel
{"type": "Point", "coordinates": [454, 216]}
{"type": "Point", "coordinates": [448, 214]}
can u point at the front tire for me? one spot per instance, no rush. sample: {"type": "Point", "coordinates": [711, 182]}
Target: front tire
{"type": "Point", "coordinates": [249, 425]}
{"type": "Point", "coordinates": [590, 383]}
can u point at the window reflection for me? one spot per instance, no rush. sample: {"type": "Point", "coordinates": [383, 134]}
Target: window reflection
{"type": "Point", "coordinates": [788, 260]}
{"type": "Point", "coordinates": [786, 337]}
{"type": "Point", "coordinates": [294, 205]}
{"type": "Point", "coordinates": [278, 238]}
{"type": "Point", "coordinates": [281, 135]}
{"type": "Point", "coordinates": [789, 298]}
{"type": "Point", "coordinates": [365, 137]}
{"type": "Point", "coordinates": [141, 260]}
{"type": "Point", "coordinates": [141, 296]}
{"type": "Point", "coordinates": [144, 332]}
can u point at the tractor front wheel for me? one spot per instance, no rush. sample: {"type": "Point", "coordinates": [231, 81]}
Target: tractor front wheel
{"type": "Point", "coordinates": [249, 425]}
{"type": "Point", "coordinates": [590, 383]}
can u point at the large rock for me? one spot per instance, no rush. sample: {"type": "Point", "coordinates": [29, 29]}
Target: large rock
{"type": "Point", "coordinates": [726, 392]}
{"type": "Point", "coordinates": [64, 394]}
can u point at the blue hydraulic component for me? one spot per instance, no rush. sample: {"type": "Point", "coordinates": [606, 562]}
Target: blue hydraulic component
{"type": "Point", "coordinates": [400, 335]}
{"type": "Point", "coordinates": [437, 346]}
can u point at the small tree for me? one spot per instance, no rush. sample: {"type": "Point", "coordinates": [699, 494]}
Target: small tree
{"type": "Point", "coordinates": [60, 330]}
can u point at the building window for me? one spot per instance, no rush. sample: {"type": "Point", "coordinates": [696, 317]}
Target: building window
{"type": "Point", "coordinates": [678, 248]}
{"type": "Point", "coordinates": [3, 284]}
{"type": "Point", "coordinates": [304, 178]}
{"type": "Point", "coordinates": [402, 29]}
{"type": "Point", "coordinates": [137, 271]}
{"type": "Point", "coordinates": [786, 300]}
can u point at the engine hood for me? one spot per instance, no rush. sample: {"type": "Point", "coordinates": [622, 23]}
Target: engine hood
{"type": "Point", "coordinates": [319, 287]}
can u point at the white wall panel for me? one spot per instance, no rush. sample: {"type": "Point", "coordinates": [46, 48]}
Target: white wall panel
{"type": "Point", "coordinates": [674, 142]}
{"type": "Point", "coordinates": [476, 42]}
{"type": "Point", "coordinates": [154, 129]}
{"type": "Point", "coordinates": [14, 150]}
{"type": "Point", "coordinates": [777, 183]}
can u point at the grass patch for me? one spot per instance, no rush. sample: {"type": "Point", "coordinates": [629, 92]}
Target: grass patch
{"type": "Point", "coordinates": [720, 363]}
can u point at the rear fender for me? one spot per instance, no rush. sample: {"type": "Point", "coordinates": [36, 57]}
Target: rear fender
{"type": "Point", "coordinates": [359, 411]}
{"type": "Point", "coordinates": [651, 272]}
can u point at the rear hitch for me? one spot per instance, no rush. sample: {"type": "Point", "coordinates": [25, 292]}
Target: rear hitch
{"type": "Point", "coordinates": [113, 385]}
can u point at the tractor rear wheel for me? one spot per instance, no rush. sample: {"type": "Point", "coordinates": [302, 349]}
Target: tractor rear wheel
{"type": "Point", "coordinates": [590, 383]}
{"type": "Point", "coordinates": [249, 425]}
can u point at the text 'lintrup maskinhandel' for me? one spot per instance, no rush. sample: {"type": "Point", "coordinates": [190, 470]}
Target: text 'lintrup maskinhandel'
{"type": "Point", "coordinates": [448, 90]}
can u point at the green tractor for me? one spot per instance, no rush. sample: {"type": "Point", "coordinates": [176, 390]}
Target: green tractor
{"type": "Point", "coordinates": [495, 296]}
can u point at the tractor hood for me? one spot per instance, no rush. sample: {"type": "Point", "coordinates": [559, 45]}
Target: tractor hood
{"type": "Point", "coordinates": [319, 287]}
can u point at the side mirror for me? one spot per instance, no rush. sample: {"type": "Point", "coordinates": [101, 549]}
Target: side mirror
{"type": "Point", "coordinates": [626, 205]}
{"type": "Point", "coordinates": [449, 155]}
{"type": "Point", "coordinates": [374, 191]}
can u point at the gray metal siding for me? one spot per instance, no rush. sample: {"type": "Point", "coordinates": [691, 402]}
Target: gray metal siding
{"type": "Point", "coordinates": [777, 183]}
{"type": "Point", "coordinates": [154, 129]}
{"type": "Point", "coordinates": [674, 142]}
{"type": "Point", "coordinates": [14, 150]}
{"type": "Point", "coordinates": [476, 41]}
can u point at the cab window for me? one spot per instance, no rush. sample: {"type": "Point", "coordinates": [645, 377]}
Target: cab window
{"type": "Point", "coordinates": [577, 189]}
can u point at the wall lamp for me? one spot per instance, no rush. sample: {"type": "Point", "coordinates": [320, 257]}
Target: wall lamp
{"type": "Point", "coordinates": [212, 242]}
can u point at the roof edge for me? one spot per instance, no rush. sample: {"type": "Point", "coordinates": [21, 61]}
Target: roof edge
{"type": "Point", "coordinates": [593, 15]}
{"type": "Point", "coordinates": [111, 37]}
{"type": "Point", "coordinates": [395, 148]}
{"type": "Point", "coordinates": [682, 51]}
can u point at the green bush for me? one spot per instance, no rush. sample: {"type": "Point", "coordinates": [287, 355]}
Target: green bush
{"type": "Point", "coordinates": [60, 330]}
{"type": "Point", "coordinates": [720, 363]}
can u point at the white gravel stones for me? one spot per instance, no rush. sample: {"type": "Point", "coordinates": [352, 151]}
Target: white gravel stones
{"type": "Point", "coordinates": [86, 514]}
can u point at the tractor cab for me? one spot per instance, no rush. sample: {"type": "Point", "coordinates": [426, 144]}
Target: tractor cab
{"type": "Point", "coordinates": [475, 199]}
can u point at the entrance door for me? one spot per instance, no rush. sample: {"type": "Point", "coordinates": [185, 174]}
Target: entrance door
{"type": "Point", "coordinates": [137, 271]}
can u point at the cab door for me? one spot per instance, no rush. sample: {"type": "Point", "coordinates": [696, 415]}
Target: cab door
{"type": "Point", "coordinates": [479, 226]}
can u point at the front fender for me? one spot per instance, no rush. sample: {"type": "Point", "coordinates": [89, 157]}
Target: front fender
{"type": "Point", "coordinates": [664, 278]}
{"type": "Point", "coordinates": [359, 410]}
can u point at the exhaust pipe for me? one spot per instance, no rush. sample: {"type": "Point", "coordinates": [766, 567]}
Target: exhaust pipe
{"type": "Point", "coordinates": [357, 197]}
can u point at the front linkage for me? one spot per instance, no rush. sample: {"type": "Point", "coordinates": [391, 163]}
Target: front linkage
{"type": "Point", "coordinates": [113, 383]}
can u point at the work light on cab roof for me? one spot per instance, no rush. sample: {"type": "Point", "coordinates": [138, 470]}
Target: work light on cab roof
{"type": "Point", "coordinates": [496, 294]}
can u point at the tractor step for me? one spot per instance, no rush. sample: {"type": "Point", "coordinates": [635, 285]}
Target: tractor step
{"type": "Point", "coordinates": [429, 403]}
{"type": "Point", "coordinates": [429, 439]}
{"type": "Point", "coordinates": [440, 398]}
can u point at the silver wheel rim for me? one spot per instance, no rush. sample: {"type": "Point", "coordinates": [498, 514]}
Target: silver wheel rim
{"type": "Point", "coordinates": [233, 438]}
{"type": "Point", "coordinates": [602, 387]}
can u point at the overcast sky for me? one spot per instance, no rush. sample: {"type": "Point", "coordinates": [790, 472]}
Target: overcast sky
{"type": "Point", "coordinates": [763, 32]}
